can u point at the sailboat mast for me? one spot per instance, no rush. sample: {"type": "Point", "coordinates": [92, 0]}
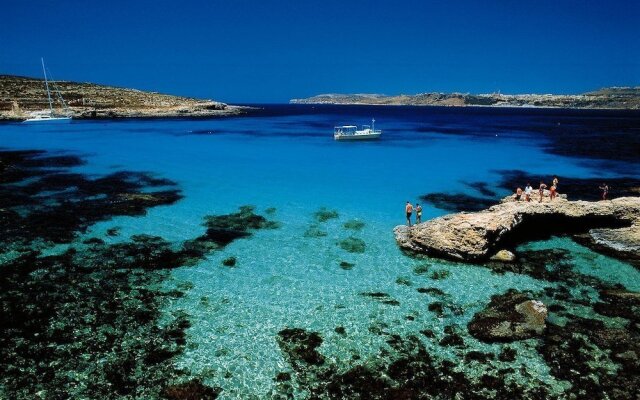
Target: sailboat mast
{"type": "Point", "coordinates": [46, 83]}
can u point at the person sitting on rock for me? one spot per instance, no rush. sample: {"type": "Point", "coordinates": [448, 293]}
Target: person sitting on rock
{"type": "Point", "coordinates": [542, 188]}
{"type": "Point", "coordinates": [418, 213]}
{"type": "Point", "coordinates": [527, 192]}
{"type": "Point", "coordinates": [409, 210]}
{"type": "Point", "coordinates": [518, 194]}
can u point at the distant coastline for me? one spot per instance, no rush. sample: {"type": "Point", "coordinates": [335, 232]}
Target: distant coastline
{"type": "Point", "coordinates": [625, 98]}
{"type": "Point", "coordinates": [20, 97]}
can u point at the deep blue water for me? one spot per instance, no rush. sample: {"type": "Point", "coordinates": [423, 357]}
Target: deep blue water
{"type": "Point", "coordinates": [284, 156]}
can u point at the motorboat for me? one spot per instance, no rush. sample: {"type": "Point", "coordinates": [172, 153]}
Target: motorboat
{"type": "Point", "coordinates": [351, 132]}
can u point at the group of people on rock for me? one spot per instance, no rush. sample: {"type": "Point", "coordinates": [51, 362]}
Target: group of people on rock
{"type": "Point", "coordinates": [409, 210]}
{"type": "Point", "coordinates": [553, 191]}
{"type": "Point", "coordinates": [518, 196]}
{"type": "Point", "coordinates": [528, 191]}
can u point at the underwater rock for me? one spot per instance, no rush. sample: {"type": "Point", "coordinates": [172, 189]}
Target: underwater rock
{"type": "Point", "coordinates": [229, 262]}
{"type": "Point", "coordinates": [300, 346]}
{"type": "Point", "coordinates": [352, 245]}
{"type": "Point", "coordinates": [475, 236]}
{"type": "Point", "coordinates": [346, 265]}
{"type": "Point", "coordinates": [508, 354]}
{"type": "Point", "coordinates": [431, 291]}
{"type": "Point", "coordinates": [191, 390]}
{"type": "Point", "coordinates": [402, 280]}
{"type": "Point", "coordinates": [354, 224]}
{"type": "Point", "coordinates": [452, 338]}
{"type": "Point", "coordinates": [440, 274]}
{"type": "Point", "coordinates": [619, 303]}
{"type": "Point", "coordinates": [504, 256]}
{"type": "Point", "coordinates": [381, 297]}
{"type": "Point", "coordinates": [223, 230]}
{"type": "Point", "coordinates": [585, 352]}
{"type": "Point", "coordinates": [323, 214]}
{"type": "Point", "coordinates": [314, 231]}
{"type": "Point", "coordinates": [478, 356]}
{"type": "Point", "coordinates": [508, 317]}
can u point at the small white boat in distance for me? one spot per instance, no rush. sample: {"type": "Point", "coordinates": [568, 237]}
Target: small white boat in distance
{"type": "Point", "coordinates": [50, 116]}
{"type": "Point", "coordinates": [351, 132]}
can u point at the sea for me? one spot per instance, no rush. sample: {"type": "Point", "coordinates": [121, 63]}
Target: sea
{"type": "Point", "coordinates": [283, 161]}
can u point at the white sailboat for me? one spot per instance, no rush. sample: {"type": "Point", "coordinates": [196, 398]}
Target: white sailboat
{"type": "Point", "coordinates": [50, 116]}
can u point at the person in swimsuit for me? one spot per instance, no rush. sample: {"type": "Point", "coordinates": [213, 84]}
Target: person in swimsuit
{"type": "Point", "coordinates": [542, 188]}
{"type": "Point", "coordinates": [605, 191]}
{"type": "Point", "coordinates": [409, 210]}
{"type": "Point", "coordinates": [552, 192]}
{"type": "Point", "coordinates": [518, 195]}
{"type": "Point", "coordinates": [418, 213]}
{"type": "Point", "coordinates": [555, 182]}
{"type": "Point", "coordinates": [527, 192]}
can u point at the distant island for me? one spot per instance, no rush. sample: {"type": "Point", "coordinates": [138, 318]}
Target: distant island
{"type": "Point", "coordinates": [608, 98]}
{"type": "Point", "coordinates": [21, 96]}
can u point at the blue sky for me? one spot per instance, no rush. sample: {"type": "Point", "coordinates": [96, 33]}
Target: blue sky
{"type": "Point", "coordinates": [271, 51]}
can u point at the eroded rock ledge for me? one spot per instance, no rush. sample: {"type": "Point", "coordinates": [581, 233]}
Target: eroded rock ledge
{"type": "Point", "coordinates": [613, 226]}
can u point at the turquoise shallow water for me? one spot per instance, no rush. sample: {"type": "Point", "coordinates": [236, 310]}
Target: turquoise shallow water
{"type": "Point", "coordinates": [289, 161]}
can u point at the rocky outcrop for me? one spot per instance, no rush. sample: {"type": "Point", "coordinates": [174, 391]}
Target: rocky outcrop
{"type": "Point", "coordinates": [508, 317]}
{"type": "Point", "coordinates": [22, 97]}
{"type": "Point", "coordinates": [613, 225]}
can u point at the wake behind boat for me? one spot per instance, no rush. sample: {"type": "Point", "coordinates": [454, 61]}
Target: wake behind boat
{"type": "Point", "coordinates": [351, 132]}
{"type": "Point", "coordinates": [50, 116]}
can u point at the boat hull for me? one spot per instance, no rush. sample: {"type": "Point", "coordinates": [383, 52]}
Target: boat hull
{"type": "Point", "coordinates": [370, 136]}
{"type": "Point", "coordinates": [52, 120]}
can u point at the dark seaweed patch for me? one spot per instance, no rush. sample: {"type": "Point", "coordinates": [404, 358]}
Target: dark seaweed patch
{"type": "Point", "coordinates": [352, 245]}
{"type": "Point", "coordinates": [354, 224]}
{"type": "Point", "coordinates": [403, 370]}
{"type": "Point", "coordinates": [85, 323]}
{"type": "Point", "coordinates": [346, 265]}
{"type": "Point", "coordinates": [482, 188]}
{"type": "Point", "coordinates": [458, 202]}
{"type": "Point", "coordinates": [323, 214]}
{"type": "Point", "coordinates": [314, 231]}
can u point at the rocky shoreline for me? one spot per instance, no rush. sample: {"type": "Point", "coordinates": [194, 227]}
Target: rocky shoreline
{"type": "Point", "coordinates": [607, 98]}
{"type": "Point", "coordinates": [22, 97]}
{"type": "Point", "coordinates": [612, 226]}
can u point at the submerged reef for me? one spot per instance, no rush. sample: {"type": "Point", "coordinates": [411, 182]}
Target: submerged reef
{"type": "Point", "coordinates": [403, 369]}
{"type": "Point", "coordinates": [83, 320]}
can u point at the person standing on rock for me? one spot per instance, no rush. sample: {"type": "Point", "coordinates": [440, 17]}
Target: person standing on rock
{"type": "Point", "coordinates": [555, 182]}
{"type": "Point", "coordinates": [418, 213]}
{"type": "Point", "coordinates": [409, 210]}
{"type": "Point", "coordinates": [605, 191]}
{"type": "Point", "coordinates": [542, 188]}
{"type": "Point", "coordinates": [527, 191]}
{"type": "Point", "coordinates": [552, 192]}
